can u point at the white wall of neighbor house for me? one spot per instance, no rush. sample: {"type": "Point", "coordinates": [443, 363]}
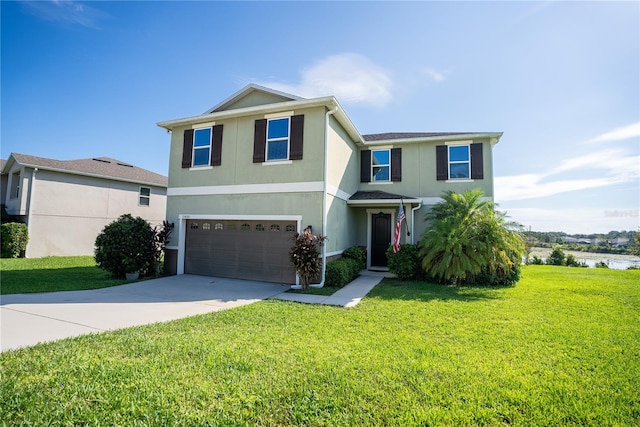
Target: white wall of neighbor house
{"type": "Point", "coordinates": [69, 211]}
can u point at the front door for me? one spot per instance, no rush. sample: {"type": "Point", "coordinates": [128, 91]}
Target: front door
{"type": "Point", "coordinates": [380, 238]}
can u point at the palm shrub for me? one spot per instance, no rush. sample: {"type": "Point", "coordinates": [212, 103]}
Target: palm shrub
{"type": "Point", "coordinates": [305, 256]}
{"type": "Point", "coordinates": [126, 245]}
{"type": "Point", "coordinates": [468, 241]}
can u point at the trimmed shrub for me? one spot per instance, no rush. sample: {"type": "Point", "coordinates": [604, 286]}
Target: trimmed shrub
{"type": "Point", "coordinates": [358, 254]}
{"type": "Point", "coordinates": [341, 271]}
{"type": "Point", "coordinates": [405, 263]}
{"type": "Point", "coordinates": [15, 237]}
{"type": "Point", "coordinates": [126, 246]}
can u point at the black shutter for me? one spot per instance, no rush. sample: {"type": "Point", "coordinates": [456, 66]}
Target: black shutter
{"type": "Point", "coordinates": [365, 166]}
{"type": "Point", "coordinates": [396, 164]}
{"type": "Point", "coordinates": [216, 148]}
{"type": "Point", "coordinates": [259, 140]}
{"type": "Point", "coordinates": [297, 133]}
{"type": "Point", "coordinates": [442, 163]}
{"type": "Point", "coordinates": [477, 166]}
{"type": "Point", "coordinates": [187, 148]}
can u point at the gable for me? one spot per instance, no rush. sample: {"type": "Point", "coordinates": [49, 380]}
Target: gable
{"type": "Point", "coordinates": [252, 96]}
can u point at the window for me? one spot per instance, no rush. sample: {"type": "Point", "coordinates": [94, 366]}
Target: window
{"type": "Point", "coordinates": [275, 227]}
{"type": "Point", "coordinates": [206, 226]}
{"type": "Point", "coordinates": [278, 139]}
{"type": "Point", "coordinates": [380, 165]}
{"type": "Point", "coordinates": [291, 228]}
{"type": "Point", "coordinates": [459, 162]}
{"type": "Point", "coordinates": [201, 147]}
{"type": "Point", "coordinates": [145, 196]}
{"type": "Point", "coordinates": [219, 226]}
{"type": "Point", "coordinates": [245, 227]}
{"type": "Point", "coordinates": [15, 185]}
{"type": "Point", "coordinates": [259, 227]}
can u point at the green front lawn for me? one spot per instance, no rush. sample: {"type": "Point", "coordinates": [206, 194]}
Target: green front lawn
{"type": "Point", "coordinates": [560, 348]}
{"type": "Point", "coordinates": [52, 274]}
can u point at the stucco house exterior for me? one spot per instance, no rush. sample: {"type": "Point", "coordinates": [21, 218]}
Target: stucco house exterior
{"type": "Point", "coordinates": [263, 164]}
{"type": "Point", "coordinates": [67, 203]}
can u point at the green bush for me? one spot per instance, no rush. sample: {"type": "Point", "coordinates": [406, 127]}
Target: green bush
{"type": "Point", "coordinates": [572, 261]}
{"type": "Point", "coordinates": [556, 257]}
{"type": "Point", "coordinates": [15, 237]}
{"type": "Point", "coordinates": [536, 260]}
{"type": "Point", "coordinates": [356, 253]}
{"type": "Point", "coordinates": [125, 246]}
{"type": "Point", "coordinates": [341, 271]}
{"type": "Point", "coordinates": [497, 277]}
{"type": "Point", "coordinates": [405, 263]}
{"type": "Point", "coordinates": [601, 264]}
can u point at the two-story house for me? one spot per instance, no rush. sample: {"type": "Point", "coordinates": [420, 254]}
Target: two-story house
{"type": "Point", "coordinates": [67, 203]}
{"type": "Point", "coordinates": [262, 164]}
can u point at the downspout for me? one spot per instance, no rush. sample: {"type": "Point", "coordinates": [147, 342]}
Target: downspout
{"type": "Point", "coordinates": [413, 215]}
{"type": "Point", "coordinates": [324, 192]}
{"type": "Point", "coordinates": [31, 196]}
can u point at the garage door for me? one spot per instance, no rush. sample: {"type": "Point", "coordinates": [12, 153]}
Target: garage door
{"type": "Point", "coordinates": [251, 250]}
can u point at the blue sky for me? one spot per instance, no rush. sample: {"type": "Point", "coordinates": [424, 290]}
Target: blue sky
{"type": "Point", "coordinates": [560, 79]}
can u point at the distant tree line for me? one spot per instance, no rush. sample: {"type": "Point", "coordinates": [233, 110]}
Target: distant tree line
{"type": "Point", "coordinates": [614, 242]}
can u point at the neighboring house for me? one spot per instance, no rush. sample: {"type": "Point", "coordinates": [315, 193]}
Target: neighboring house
{"type": "Point", "coordinates": [67, 203]}
{"type": "Point", "coordinates": [3, 181]}
{"type": "Point", "coordinates": [262, 164]}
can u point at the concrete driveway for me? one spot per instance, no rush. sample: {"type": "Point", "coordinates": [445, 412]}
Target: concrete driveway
{"type": "Point", "coordinates": [28, 319]}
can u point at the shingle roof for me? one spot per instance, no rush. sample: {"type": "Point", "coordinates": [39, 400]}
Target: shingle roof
{"type": "Point", "coordinates": [408, 135]}
{"type": "Point", "coordinates": [103, 167]}
{"type": "Point", "coordinates": [376, 195]}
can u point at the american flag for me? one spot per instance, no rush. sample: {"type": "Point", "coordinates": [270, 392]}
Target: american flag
{"type": "Point", "coordinates": [396, 240]}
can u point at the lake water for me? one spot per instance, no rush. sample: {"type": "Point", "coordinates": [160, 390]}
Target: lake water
{"type": "Point", "coordinates": [615, 261]}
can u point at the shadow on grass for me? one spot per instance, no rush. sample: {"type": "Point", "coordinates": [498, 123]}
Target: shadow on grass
{"type": "Point", "coordinates": [55, 280]}
{"type": "Point", "coordinates": [393, 289]}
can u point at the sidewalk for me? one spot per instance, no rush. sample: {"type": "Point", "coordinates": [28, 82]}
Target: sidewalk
{"type": "Point", "coordinates": [348, 296]}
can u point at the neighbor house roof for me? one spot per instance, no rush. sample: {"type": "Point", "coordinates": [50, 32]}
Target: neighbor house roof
{"type": "Point", "coordinates": [101, 167]}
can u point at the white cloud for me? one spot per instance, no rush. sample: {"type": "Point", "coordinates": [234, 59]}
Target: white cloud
{"type": "Point", "coordinates": [350, 77]}
{"type": "Point", "coordinates": [436, 76]}
{"type": "Point", "coordinates": [65, 12]}
{"type": "Point", "coordinates": [619, 134]}
{"type": "Point", "coordinates": [612, 166]}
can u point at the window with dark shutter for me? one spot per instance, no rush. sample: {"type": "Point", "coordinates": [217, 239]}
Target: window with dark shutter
{"type": "Point", "coordinates": [187, 147]}
{"type": "Point", "coordinates": [396, 164]}
{"type": "Point", "coordinates": [259, 140]}
{"type": "Point", "coordinates": [297, 133]}
{"type": "Point", "coordinates": [442, 163]}
{"type": "Point", "coordinates": [477, 165]}
{"type": "Point", "coordinates": [365, 166]}
{"type": "Point", "coordinates": [216, 152]}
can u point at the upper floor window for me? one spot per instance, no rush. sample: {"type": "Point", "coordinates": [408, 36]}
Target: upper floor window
{"type": "Point", "coordinates": [201, 147]}
{"type": "Point", "coordinates": [15, 185]}
{"type": "Point", "coordinates": [380, 165]}
{"type": "Point", "coordinates": [459, 162]}
{"type": "Point", "coordinates": [278, 139]}
{"type": "Point", "coordinates": [144, 198]}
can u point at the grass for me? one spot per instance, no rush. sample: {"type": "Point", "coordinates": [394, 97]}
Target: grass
{"type": "Point", "coordinates": [52, 274]}
{"type": "Point", "coordinates": [560, 348]}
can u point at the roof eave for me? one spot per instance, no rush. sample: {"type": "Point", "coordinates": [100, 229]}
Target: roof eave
{"type": "Point", "coordinates": [493, 136]}
{"type": "Point", "coordinates": [382, 202]}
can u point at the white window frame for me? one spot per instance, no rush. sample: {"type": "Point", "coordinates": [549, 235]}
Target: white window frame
{"type": "Point", "coordinates": [194, 148]}
{"type": "Point", "coordinates": [141, 196]}
{"type": "Point", "coordinates": [458, 162]}
{"type": "Point", "coordinates": [287, 138]}
{"type": "Point", "coordinates": [388, 165]}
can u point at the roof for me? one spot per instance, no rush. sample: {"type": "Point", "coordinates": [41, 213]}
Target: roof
{"type": "Point", "coordinates": [246, 91]}
{"type": "Point", "coordinates": [2, 163]}
{"type": "Point", "coordinates": [377, 197]}
{"type": "Point", "coordinates": [409, 135]}
{"type": "Point", "coordinates": [101, 167]}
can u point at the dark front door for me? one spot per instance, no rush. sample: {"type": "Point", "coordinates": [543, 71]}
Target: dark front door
{"type": "Point", "coordinates": [380, 239]}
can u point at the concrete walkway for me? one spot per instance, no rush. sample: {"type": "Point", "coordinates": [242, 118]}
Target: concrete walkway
{"type": "Point", "coordinates": [348, 296]}
{"type": "Point", "coordinates": [28, 319]}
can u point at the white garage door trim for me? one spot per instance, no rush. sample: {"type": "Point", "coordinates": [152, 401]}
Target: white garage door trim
{"type": "Point", "coordinates": [182, 228]}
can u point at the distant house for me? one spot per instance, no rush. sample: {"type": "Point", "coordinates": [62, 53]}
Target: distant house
{"type": "Point", "coordinates": [262, 164]}
{"type": "Point", "coordinates": [66, 203]}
